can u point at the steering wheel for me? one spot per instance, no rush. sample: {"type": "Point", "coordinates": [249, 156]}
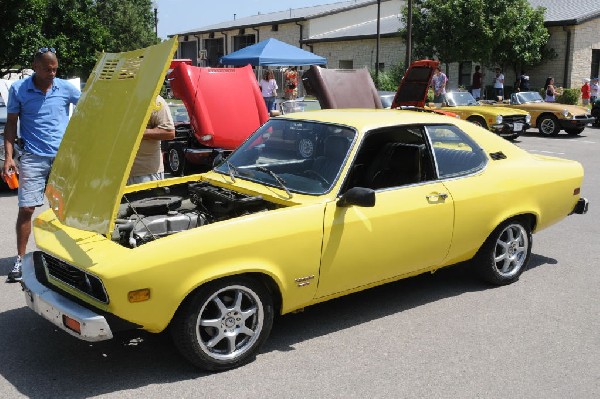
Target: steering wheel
{"type": "Point", "coordinates": [324, 182]}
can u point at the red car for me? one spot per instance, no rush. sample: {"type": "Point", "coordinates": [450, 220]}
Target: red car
{"type": "Point", "coordinates": [225, 106]}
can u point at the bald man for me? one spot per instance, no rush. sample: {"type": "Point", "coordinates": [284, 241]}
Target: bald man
{"type": "Point", "coordinates": [41, 104]}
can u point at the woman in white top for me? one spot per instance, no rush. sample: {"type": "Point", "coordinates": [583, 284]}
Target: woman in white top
{"type": "Point", "coordinates": [268, 87]}
{"type": "Point", "coordinates": [550, 90]}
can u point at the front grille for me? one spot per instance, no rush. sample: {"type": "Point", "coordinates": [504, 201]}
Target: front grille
{"type": "Point", "coordinates": [584, 116]}
{"type": "Point", "coordinates": [513, 118]}
{"type": "Point", "coordinates": [78, 279]}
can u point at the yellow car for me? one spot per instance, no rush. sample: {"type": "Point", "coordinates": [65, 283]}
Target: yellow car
{"type": "Point", "coordinates": [214, 257]}
{"type": "Point", "coordinates": [550, 118]}
{"type": "Point", "coordinates": [505, 122]}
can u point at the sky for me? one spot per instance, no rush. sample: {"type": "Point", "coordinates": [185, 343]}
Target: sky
{"type": "Point", "coordinates": [180, 15]}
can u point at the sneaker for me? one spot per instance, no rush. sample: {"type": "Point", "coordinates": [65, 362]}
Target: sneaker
{"type": "Point", "coordinates": [15, 274]}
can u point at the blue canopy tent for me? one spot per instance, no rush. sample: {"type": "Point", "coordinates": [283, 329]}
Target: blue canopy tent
{"type": "Point", "coordinates": [272, 52]}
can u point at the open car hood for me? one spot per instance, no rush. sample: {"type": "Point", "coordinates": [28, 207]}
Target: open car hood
{"type": "Point", "coordinates": [94, 159]}
{"type": "Point", "coordinates": [225, 105]}
{"type": "Point", "coordinates": [412, 90]}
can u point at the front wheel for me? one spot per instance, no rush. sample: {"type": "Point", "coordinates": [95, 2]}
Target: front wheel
{"type": "Point", "coordinates": [505, 254]}
{"type": "Point", "coordinates": [548, 125]}
{"type": "Point", "coordinates": [478, 120]}
{"type": "Point", "coordinates": [224, 324]}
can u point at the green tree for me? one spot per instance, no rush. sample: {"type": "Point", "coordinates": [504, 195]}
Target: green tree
{"type": "Point", "coordinates": [491, 32]}
{"type": "Point", "coordinates": [130, 23]}
{"type": "Point", "coordinates": [74, 30]}
{"type": "Point", "coordinates": [20, 31]}
{"type": "Point", "coordinates": [77, 29]}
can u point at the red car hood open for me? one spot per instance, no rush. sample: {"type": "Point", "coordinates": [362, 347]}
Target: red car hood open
{"type": "Point", "coordinates": [225, 105]}
{"type": "Point", "coordinates": [412, 90]}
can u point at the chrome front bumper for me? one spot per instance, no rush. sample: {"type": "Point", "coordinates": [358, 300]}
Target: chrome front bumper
{"type": "Point", "coordinates": [54, 307]}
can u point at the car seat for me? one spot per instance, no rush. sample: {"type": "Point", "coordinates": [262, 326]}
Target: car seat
{"type": "Point", "coordinates": [395, 165]}
{"type": "Point", "coordinates": [334, 152]}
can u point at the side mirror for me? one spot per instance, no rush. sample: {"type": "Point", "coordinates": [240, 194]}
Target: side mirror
{"type": "Point", "coordinates": [359, 196]}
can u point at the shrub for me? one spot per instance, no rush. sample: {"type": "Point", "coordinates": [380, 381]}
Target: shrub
{"type": "Point", "coordinates": [566, 96]}
{"type": "Point", "coordinates": [388, 80]}
{"type": "Point", "coordinates": [569, 96]}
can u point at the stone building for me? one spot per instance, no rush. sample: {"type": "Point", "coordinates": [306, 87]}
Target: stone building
{"type": "Point", "coordinates": [346, 34]}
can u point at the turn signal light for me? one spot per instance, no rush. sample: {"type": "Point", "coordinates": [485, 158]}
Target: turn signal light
{"type": "Point", "coordinates": [71, 324]}
{"type": "Point", "coordinates": [577, 191]}
{"type": "Point", "coordinates": [139, 295]}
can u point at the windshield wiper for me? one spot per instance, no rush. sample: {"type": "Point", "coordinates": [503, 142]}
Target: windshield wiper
{"type": "Point", "coordinates": [276, 177]}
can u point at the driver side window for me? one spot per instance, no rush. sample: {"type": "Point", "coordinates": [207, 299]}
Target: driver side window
{"type": "Point", "coordinates": [391, 157]}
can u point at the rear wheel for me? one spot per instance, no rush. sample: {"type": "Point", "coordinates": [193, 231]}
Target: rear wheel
{"type": "Point", "coordinates": [574, 132]}
{"type": "Point", "coordinates": [548, 125]}
{"type": "Point", "coordinates": [224, 323]}
{"type": "Point", "coordinates": [505, 254]}
{"type": "Point", "coordinates": [175, 160]}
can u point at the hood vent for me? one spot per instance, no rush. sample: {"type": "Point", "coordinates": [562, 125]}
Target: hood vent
{"type": "Point", "coordinates": [496, 156]}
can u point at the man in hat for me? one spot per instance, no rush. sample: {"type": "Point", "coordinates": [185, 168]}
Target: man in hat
{"type": "Point", "coordinates": [585, 92]}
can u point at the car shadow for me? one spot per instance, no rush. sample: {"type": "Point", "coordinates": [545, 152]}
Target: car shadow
{"type": "Point", "coordinates": [560, 136]}
{"type": "Point", "coordinates": [6, 192]}
{"type": "Point", "coordinates": [72, 368]}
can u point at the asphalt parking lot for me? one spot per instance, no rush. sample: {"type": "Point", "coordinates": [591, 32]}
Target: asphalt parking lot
{"type": "Point", "coordinates": [441, 335]}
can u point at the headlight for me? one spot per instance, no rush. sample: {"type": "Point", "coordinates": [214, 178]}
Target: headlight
{"type": "Point", "coordinates": [527, 118]}
{"type": "Point", "coordinates": [499, 120]}
{"type": "Point", "coordinates": [565, 113]}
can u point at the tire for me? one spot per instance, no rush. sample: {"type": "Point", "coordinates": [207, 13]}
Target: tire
{"type": "Point", "coordinates": [305, 147]}
{"type": "Point", "coordinates": [574, 132]}
{"type": "Point", "coordinates": [223, 324]}
{"type": "Point", "coordinates": [175, 160]}
{"type": "Point", "coordinates": [478, 120]}
{"type": "Point", "coordinates": [548, 125]}
{"type": "Point", "coordinates": [505, 254]}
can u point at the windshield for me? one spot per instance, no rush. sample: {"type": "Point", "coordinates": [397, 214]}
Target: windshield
{"type": "Point", "coordinates": [179, 113]}
{"type": "Point", "coordinates": [460, 98]}
{"type": "Point", "coordinates": [292, 155]}
{"type": "Point", "coordinates": [529, 97]}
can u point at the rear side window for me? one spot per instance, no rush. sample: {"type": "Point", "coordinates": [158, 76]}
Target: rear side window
{"type": "Point", "coordinates": [455, 152]}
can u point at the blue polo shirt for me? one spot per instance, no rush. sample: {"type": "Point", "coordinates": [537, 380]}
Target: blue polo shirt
{"type": "Point", "coordinates": [43, 116]}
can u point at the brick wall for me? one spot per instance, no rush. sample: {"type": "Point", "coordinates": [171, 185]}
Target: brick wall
{"type": "Point", "coordinates": [363, 53]}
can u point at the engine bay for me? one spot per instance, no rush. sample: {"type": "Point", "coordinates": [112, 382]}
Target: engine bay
{"type": "Point", "coordinates": [151, 214]}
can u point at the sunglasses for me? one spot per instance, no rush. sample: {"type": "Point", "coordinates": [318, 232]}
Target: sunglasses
{"type": "Point", "coordinates": [44, 50]}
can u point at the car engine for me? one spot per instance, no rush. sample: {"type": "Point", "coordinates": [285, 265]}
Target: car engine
{"type": "Point", "coordinates": [151, 215]}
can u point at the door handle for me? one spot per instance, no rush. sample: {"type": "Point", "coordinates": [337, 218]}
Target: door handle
{"type": "Point", "coordinates": [436, 197]}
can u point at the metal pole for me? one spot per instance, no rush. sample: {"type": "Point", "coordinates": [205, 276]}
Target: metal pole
{"type": "Point", "coordinates": [377, 45]}
{"type": "Point", "coordinates": [156, 21]}
{"type": "Point", "coordinates": [409, 35]}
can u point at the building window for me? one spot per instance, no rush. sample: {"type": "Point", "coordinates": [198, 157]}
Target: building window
{"type": "Point", "coordinates": [274, 28]}
{"type": "Point", "coordinates": [464, 74]}
{"type": "Point", "coordinates": [346, 64]}
{"type": "Point", "coordinates": [241, 41]}
{"type": "Point", "coordinates": [214, 51]}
